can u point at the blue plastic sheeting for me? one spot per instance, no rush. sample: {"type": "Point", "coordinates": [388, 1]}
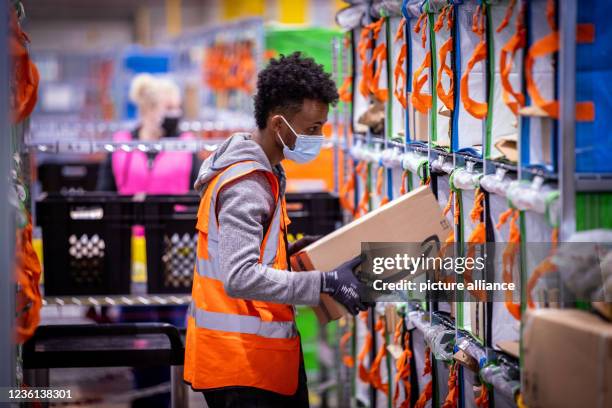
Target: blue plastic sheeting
{"type": "Point", "coordinates": [136, 61]}
{"type": "Point", "coordinates": [593, 72]}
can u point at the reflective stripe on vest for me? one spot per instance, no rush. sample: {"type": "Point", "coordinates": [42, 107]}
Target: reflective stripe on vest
{"type": "Point", "coordinates": [241, 324]}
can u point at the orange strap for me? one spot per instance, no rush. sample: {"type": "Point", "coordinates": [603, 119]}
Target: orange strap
{"type": "Point", "coordinates": [440, 21]}
{"type": "Point", "coordinates": [365, 43]}
{"type": "Point", "coordinates": [420, 101]}
{"type": "Point", "coordinates": [399, 34]}
{"type": "Point", "coordinates": [449, 203]}
{"type": "Point", "coordinates": [474, 108]}
{"type": "Point", "coordinates": [380, 178]}
{"type": "Point", "coordinates": [347, 190]}
{"type": "Point", "coordinates": [550, 14]}
{"type": "Point", "coordinates": [379, 56]}
{"type": "Point", "coordinates": [482, 401]}
{"type": "Point", "coordinates": [368, 80]}
{"type": "Point", "coordinates": [347, 359]}
{"type": "Point", "coordinates": [549, 44]}
{"type": "Point", "coordinates": [507, 54]}
{"type": "Point", "coordinates": [426, 394]}
{"type": "Point", "coordinates": [453, 390]}
{"type": "Point", "coordinates": [544, 268]}
{"type": "Point", "coordinates": [404, 187]}
{"type": "Point", "coordinates": [28, 300]}
{"type": "Point", "coordinates": [447, 97]}
{"type": "Point", "coordinates": [344, 92]}
{"type": "Point", "coordinates": [456, 212]}
{"type": "Point", "coordinates": [364, 375]}
{"type": "Point", "coordinates": [398, 331]}
{"type": "Point", "coordinates": [402, 366]}
{"type": "Point", "coordinates": [421, 25]}
{"type": "Point", "coordinates": [477, 237]}
{"type": "Point", "coordinates": [399, 89]}
{"type": "Point", "coordinates": [504, 23]}
{"type": "Point", "coordinates": [451, 237]}
{"type": "Point", "coordinates": [400, 77]}
{"type": "Point", "coordinates": [375, 377]}
{"type": "Point", "coordinates": [24, 86]}
{"type": "Point", "coordinates": [509, 257]}
{"type": "Point", "coordinates": [376, 28]}
{"type": "Point", "coordinates": [363, 208]}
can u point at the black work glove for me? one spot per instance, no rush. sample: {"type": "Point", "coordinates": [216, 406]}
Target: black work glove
{"type": "Point", "coordinates": [302, 243]}
{"type": "Point", "coordinates": [344, 287]}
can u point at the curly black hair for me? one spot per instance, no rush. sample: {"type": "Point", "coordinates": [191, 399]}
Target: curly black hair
{"type": "Point", "coordinates": [287, 81]}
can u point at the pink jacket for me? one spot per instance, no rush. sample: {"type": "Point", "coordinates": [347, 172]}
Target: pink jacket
{"type": "Point", "coordinates": [169, 173]}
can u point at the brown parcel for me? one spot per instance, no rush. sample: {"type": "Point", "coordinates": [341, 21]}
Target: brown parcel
{"type": "Point", "coordinates": [413, 217]}
{"type": "Point", "coordinates": [567, 359]}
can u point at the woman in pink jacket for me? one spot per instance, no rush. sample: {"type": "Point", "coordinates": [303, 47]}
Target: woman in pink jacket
{"type": "Point", "coordinates": [159, 108]}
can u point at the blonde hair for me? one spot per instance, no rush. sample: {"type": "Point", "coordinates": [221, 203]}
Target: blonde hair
{"type": "Point", "coordinates": [168, 88]}
{"type": "Point", "coordinates": [147, 90]}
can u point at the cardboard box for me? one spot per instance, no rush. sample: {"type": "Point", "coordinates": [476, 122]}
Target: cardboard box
{"type": "Point", "coordinates": [509, 347]}
{"type": "Point", "coordinates": [508, 147]}
{"type": "Point", "coordinates": [414, 217]}
{"type": "Point", "coordinates": [567, 359]}
{"type": "Point", "coordinates": [466, 360]}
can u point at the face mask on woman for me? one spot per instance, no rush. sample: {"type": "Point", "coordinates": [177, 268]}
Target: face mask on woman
{"type": "Point", "coordinates": [170, 125]}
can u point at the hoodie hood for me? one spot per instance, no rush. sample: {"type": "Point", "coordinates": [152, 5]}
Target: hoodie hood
{"type": "Point", "coordinates": [238, 147]}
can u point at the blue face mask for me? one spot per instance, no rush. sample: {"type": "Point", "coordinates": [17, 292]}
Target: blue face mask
{"type": "Point", "coordinates": [306, 147]}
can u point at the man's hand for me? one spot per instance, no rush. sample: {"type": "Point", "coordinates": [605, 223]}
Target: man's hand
{"type": "Point", "coordinates": [302, 243]}
{"type": "Point", "coordinates": [343, 286]}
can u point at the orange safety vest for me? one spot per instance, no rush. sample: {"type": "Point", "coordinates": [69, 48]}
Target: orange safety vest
{"type": "Point", "coordinates": [238, 342]}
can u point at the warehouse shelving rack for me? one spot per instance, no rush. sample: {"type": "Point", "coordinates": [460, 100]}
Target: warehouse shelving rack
{"type": "Point", "coordinates": [568, 182]}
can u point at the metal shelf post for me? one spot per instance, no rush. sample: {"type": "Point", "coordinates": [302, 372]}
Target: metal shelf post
{"type": "Point", "coordinates": [7, 221]}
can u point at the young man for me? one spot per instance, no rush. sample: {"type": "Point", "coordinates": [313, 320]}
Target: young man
{"type": "Point", "coordinates": [242, 346]}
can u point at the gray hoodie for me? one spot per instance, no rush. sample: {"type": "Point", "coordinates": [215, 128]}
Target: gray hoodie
{"type": "Point", "coordinates": [244, 210]}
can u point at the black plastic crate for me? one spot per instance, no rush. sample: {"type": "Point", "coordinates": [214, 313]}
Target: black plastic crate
{"type": "Point", "coordinates": [66, 177]}
{"type": "Point", "coordinates": [171, 240]}
{"type": "Point", "coordinates": [86, 243]}
{"type": "Point", "coordinates": [313, 213]}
